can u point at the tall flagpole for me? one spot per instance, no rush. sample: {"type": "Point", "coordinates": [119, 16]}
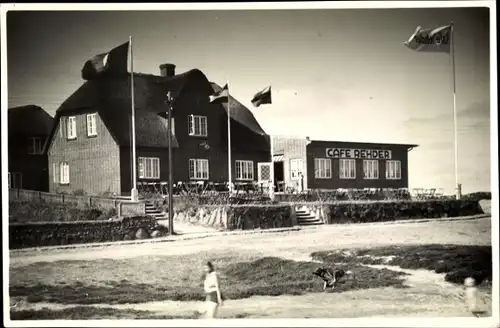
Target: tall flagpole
{"type": "Point", "coordinates": [457, 185]}
{"type": "Point", "coordinates": [133, 193]}
{"type": "Point", "coordinates": [271, 191]}
{"type": "Point", "coordinates": [230, 187]}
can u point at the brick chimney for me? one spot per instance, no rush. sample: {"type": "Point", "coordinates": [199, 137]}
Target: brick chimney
{"type": "Point", "coordinates": [167, 70]}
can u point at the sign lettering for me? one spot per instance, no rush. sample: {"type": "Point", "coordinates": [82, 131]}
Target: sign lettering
{"type": "Point", "coordinates": [358, 153]}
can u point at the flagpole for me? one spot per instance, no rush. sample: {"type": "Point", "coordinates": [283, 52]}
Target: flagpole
{"type": "Point", "coordinates": [457, 185]}
{"type": "Point", "coordinates": [133, 193]}
{"type": "Point", "coordinates": [271, 191]}
{"type": "Point", "coordinates": [230, 187]}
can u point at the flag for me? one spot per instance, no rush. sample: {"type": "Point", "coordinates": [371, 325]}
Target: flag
{"type": "Point", "coordinates": [262, 97]}
{"type": "Point", "coordinates": [430, 40]}
{"type": "Point", "coordinates": [219, 97]}
{"type": "Point", "coordinates": [113, 62]}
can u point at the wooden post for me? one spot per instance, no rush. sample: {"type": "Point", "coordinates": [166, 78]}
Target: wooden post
{"type": "Point", "coordinates": [90, 201]}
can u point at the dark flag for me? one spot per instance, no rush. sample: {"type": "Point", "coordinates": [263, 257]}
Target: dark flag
{"type": "Point", "coordinates": [430, 40]}
{"type": "Point", "coordinates": [262, 97]}
{"type": "Point", "coordinates": [113, 62]}
{"type": "Point", "coordinates": [220, 97]}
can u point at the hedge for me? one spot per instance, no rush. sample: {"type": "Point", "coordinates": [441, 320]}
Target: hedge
{"type": "Point", "coordinates": [22, 235]}
{"type": "Point", "coordinates": [398, 210]}
{"type": "Point", "coordinates": [41, 211]}
{"type": "Point", "coordinates": [237, 217]}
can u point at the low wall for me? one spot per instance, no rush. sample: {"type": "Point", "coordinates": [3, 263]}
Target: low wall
{"type": "Point", "coordinates": [39, 234]}
{"type": "Point", "coordinates": [123, 207]}
{"type": "Point", "coordinates": [237, 217]}
{"type": "Point", "coordinates": [369, 211]}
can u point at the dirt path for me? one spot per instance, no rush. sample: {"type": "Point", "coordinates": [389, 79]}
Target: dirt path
{"type": "Point", "coordinates": [427, 295]}
{"type": "Point", "coordinates": [295, 243]}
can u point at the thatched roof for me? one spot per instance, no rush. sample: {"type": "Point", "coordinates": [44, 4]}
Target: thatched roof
{"type": "Point", "coordinates": [110, 96]}
{"type": "Point", "coordinates": [240, 113]}
{"type": "Point", "coordinates": [29, 120]}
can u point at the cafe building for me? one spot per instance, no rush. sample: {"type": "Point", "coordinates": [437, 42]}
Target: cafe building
{"type": "Point", "coordinates": [301, 164]}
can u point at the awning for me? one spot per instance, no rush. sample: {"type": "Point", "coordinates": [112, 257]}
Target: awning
{"type": "Point", "coordinates": [278, 158]}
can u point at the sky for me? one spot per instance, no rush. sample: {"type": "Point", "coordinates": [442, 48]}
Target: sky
{"type": "Point", "coordinates": [336, 74]}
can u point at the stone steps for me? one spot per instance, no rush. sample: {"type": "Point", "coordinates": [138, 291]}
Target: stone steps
{"type": "Point", "coordinates": [305, 218]}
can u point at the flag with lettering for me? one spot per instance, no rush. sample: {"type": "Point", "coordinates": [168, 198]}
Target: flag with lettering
{"type": "Point", "coordinates": [430, 40]}
{"type": "Point", "coordinates": [262, 97]}
{"type": "Point", "coordinates": [220, 97]}
{"type": "Point", "coordinates": [113, 62]}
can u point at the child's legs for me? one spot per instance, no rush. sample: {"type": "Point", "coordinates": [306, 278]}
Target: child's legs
{"type": "Point", "coordinates": [211, 309]}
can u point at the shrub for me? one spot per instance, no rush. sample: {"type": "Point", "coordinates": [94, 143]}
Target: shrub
{"type": "Point", "coordinates": [79, 192]}
{"type": "Point", "coordinates": [246, 217]}
{"type": "Point", "coordinates": [387, 211]}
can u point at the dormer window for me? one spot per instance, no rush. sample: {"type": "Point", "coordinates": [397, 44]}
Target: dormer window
{"type": "Point", "coordinates": [35, 146]}
{"type": "Point", "coordinates": [197, 126]}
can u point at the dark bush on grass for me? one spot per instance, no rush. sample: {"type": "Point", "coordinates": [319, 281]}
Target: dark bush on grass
{"type": "Point", "coordinates": [386, 211]}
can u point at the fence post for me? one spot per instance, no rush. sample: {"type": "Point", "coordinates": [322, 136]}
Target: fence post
{"type": "Point", "coordinates": [17, 192]}
{"type": "Point", "coordinates": [90, 201]}
{"type": "Point", "coordinates": [118, 209]}
{"type": "Point", "coordinates": [40, 195]}
{"type": "Point", "coordinates": [62, 197]}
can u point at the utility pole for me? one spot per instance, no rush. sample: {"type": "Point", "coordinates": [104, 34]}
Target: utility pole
{"type": "Point", "coordinates": [168, 102]}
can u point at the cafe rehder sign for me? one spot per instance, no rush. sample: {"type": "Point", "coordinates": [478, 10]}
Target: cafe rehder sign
{"type": "Point", "coordinates": [358, 153]}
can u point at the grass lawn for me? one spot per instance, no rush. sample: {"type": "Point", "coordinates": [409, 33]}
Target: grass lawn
{"type": "Point", "coordinates": [88, 313]}
{"type": "Point", "coordinates": [456, 261]}
{"type": "Point", "coordinates": [157, 278]}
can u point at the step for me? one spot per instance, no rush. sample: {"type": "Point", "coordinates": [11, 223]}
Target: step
{"type": "Point", "coordinates": [309, 220]}
{"type": "Point", "coordinates": [310, 223]}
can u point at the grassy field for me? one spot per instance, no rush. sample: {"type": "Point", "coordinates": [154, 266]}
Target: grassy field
{"type": "Point", "coordinates": [273, 269]}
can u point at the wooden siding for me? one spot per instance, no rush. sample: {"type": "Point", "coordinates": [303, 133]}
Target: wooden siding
{"type": "Point", "coordinates": [317, 149]}
{"type": "Point", "coordinates": [94, 162]}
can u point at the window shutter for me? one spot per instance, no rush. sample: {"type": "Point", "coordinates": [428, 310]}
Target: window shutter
{"type": "Point", "coordinates": [191, 124]}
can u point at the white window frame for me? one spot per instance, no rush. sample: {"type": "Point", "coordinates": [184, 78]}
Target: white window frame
{"type": "Point", "coordinates": [296, 168]}
{"type": "Point", "coordinates": [197, 126]}
{"type": "Point", "coordinates": [393, 170]}
{"type": "Point", "coordinates": [244, 170]}
{"type": "Point", "coordinates": [199, 169]}
{"type": "Point", "coordinates": [71, 128]}
{"type": "Point", "coordinates": [64, 173]}
{"type": "Point", "coordinates": [34, 150]}
{"type": "Point", "coordinates": [371, 169]}
{"type": "Point", "coordinates": [148, 166]}
{"type": "Point", "coordinates": [92, 125]}
{"type": "Point", "coordinates": [347, 168]}
{"type": "Point", "coordinates": [322, 168]}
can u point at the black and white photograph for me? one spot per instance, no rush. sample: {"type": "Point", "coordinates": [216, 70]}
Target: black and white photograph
{"type": "Point", "coordinates": [250, 164]}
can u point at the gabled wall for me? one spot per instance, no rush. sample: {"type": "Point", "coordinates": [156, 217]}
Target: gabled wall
{"type": "Point", "coordinates": [94, 162]}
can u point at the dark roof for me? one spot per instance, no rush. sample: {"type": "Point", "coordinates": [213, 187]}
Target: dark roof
{"type": "Point", "coordinates": [111, 97]}
{"type": "Point", "coordinates": [409, 146]}
{"type": "Point", "coordinates": [240, 113]}
{"type": "Point", "coordinates": [29, 120]}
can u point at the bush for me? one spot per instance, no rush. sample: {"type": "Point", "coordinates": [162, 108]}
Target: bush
{"type": "Point", "coordinates": [41, 211]}
{"type": "Point", "coordinates": [388, 211]}
{"type": "Point", "coordinates": [481, 195]}
{"type": "Point", "coordinates": [79, 192]}
{"type": "Point", "coordinates": [247, 217]}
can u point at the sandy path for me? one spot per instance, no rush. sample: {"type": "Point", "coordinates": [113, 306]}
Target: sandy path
{"type": "Point", "coordinates": [428, 294]}
{"type": "Point", "coordinates": [291, 244]}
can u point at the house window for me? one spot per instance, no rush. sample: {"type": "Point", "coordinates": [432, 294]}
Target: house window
{"type": "Point", "coordinates": [197, 125]}
{"type": "Point", "coordinates": [347, 169]}
{"type": "Point", "coordinates": [296, 168]}
{"type": "Point", "coordinates": [370, 169]}
{"type": "Point", "coordinates": [64, 172]}
{"type": "Point", "coordinates": [91, 125]}
{"type": "Point", "coordinates": [244, 170]}
{"type": "Point", "coordinates": [393, 170]}
{"type": "Point", "coordinates": [149, 168]}
{"type": "Point", "coordinates": [35, 146]}
{"type": "Point", "coordinates": [322, 168]}
{"type": "Point", "coordinates": [71, 127]}
{"type": "Point", "coordinates": [198, 169]}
